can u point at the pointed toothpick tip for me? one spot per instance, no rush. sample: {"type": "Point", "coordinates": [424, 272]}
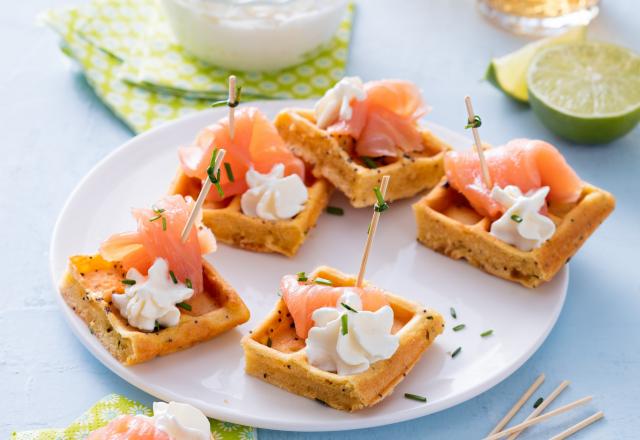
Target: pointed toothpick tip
{"type": "Point", "coordinates": [471, 116]}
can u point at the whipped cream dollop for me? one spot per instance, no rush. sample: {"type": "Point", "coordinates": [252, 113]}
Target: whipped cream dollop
{"type": "Point", "coordinates": [273, 196]}
{"type": "Point", "coordinates": [181, 421]}
{"type": "Point", "coordinates": [153, 298]}
{"type": "Point", "coordinates": [522, 225]}
{"type": "Point", "coordinates": [335, 105]}
{"type": "Point", "coordinates": [367, 339]}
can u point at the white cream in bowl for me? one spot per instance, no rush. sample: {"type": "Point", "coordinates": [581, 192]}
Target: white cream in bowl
{"type": "Point", "coordinates": [253, 35]}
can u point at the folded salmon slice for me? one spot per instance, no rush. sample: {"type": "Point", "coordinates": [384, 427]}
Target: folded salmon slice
{"type": "Point", "coordinates": [256, 143]}
{"type": "Point", "coordinates": [303, 299]}
{"type": "Point", "coordinates": [525, 163]}
{"type": "Point", "coordinates": [129, 428]}
{"type": "Point", "coordinates": [158, 238]}
{"type": "Point", "coordinates": [385, 122]}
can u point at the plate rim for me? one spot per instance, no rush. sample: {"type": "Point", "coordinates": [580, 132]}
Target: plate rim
{"type": "Point", "coordinates": [79, 328]}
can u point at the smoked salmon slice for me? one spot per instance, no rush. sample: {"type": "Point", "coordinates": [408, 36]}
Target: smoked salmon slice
{"type": "Point", "coordinates": [525, 163]}
{"type": "Point", "coordinates": [303, 299]}
{"type": "Point", "coordinates": [129, 428]}
{"type": "Point", "coordinates": [385, 122]}
{"type": "Point", "coordinates": [158, 235]}
{"type": "Point", "coordinates": [256, 143]}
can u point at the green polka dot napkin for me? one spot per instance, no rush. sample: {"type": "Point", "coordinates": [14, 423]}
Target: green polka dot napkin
{"type": "Point", "coordinates": [130, 58]}
{"type": "Point", "coordinates": [113, 406]}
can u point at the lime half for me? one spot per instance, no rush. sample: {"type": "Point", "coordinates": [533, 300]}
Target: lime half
{"type": "Point", "coordinates": [509, 73]}
{"type": "Point", "coordinates": [586, 92]}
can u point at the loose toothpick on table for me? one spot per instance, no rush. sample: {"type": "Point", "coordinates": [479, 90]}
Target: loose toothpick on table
{"type": "Point", "coordinates": [546, 402]}
{"type": "Point", "coordinates": [378, 208]}
{"type": "Point", "coordinates": [514, 410]}
{"type": "Point", "coordinates": [214, 169]}
{"type": "Point", "coordinates": [578, 426]}
{"type": "Point", "coordinates": [474, 123]}
{"type": "Point", "coordinates": [536, 420]}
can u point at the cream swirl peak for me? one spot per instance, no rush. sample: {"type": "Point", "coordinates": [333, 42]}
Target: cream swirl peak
{"type": "Point", "coordinates": [153, 298]}
{"type": "Point", "coordinates": [335, 105]}
{"type": "Point", "coordinates": [181, 421]}
{"type": "Point", "coordinates": [273, 196]}
{"type": "Point", "coordinates": [348, 340]}
{"type": "Point", "coordinates": [522, 225]}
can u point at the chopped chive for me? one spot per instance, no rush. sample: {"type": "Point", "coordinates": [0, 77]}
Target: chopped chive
{"type": "Point", "coordinates": [227, 102]}
{"type": "Point", "coordinates": [477, 122]}
{"type": "Point", "coordinates": [157, 217]}
{"type": "Point", "coordinates": [188, 283]}
{"type": "Point", "coordinates": [344, 319]}
{"type": "Point", "coordinates": [219, 103]}
{"type": "Point", "coordinates": [302, 277]}
{"type": "Point", "coordinates": [158, 210]}
{"type": "Point", "coordinates": [324, 281]}
{"type": "Point", "coordinates": [456, 352]}
{"type": "Point", "coordinates": [516, 218]}
{"type": "Point", "coordinates": [173, 277]}
{"type": "Point", "coordinates": [459, 327]}
{"type": "Point", "coordinates": [214, 154]}
{"type": "Point", "coordinates": [369, 162]}
{"type": "Point", "coordinates": [156, 328]}
{"type": "Point", "coordinates": [335, 210]}
{"type": "Point", "coordinates": [227, 168]}
{"type": "Point", "coordinates": [381, 206]}
{"type": "Point", "coordinates": [486, 333]}
{"type": "Point", "coordinates": [269, 341]}
{"type": "Point", "coordinates": [213, 177]}
{"type": "Point", "coordinates": [348, 307]}
{"type": "Point", "coordinates": [415, 397]}
{"type": "Point", "coordinates": [538, 402]}
{"type": "Point", "coordinates": [454, 315]}
{"type": "Point", "coordinates": [128, 282]}
{"type": "Point", "coordinates": [164, 223]}
{"type": "Point", "coordinates": [184, 305]}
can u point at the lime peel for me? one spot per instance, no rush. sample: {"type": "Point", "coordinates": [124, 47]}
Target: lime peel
{"type": "Point", "coordinates": [509, 73]}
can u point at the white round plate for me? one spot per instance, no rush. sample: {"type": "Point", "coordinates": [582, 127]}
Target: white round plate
{"type": "Point", "coordinates": [210, 376]}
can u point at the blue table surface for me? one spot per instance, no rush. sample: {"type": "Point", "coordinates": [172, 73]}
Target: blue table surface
{"type": "Point", "coordinates": [54, 130]}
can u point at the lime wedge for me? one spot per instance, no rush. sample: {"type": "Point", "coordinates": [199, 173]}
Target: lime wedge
{"type": "Point", "coordinates": [509, 73]}
{"type": "Point", "coordinates": [586, 92]}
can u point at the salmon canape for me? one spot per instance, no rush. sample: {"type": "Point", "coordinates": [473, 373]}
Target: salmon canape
{"type": "Point", "coordinates": [170, 421]}
{"type": "Point", "coordinates": [345, 346]}
{"type": "Point", "coordinates": [148, 293]}
{"type": "Point", "coordinates": [359, 132]}
{"type": "Point", "coordinates": [267, 199]}
{"type": "Point", "coordinates": [527, 226]}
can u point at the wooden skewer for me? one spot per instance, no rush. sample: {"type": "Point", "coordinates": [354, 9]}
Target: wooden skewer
{"type": "Point", "coordinates": [578, 426]}
{"type": "Point", "coordinates": [372, 231]}
{"type": "Point", "coordinates": [514, 410]}
{"type": "Point", "coordinates": [206, 187]}
{"type": "Point", "coordinates": [539, 419]}
{"type": "Point", "coordinates": [478, 143]}
{"type": "Point", "coordinates": [546, 402]}
{"type": "Point", "coordinates": [232, 108]}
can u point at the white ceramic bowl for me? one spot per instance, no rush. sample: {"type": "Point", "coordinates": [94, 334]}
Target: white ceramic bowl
{"type": "Point", "coordinates": [253, 35]}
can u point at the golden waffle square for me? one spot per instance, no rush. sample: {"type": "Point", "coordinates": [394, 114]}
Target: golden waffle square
{"type": "Point", "coordinates": [231, 226]}
{"type": "Point", "coordinates": [449, 225]}
{"type": "Point", "coordinates": [275, 354]}
{"type": "Point", "coordinates": [90, 281]}
{"type": "Point", "coordinates": [330, 158]}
